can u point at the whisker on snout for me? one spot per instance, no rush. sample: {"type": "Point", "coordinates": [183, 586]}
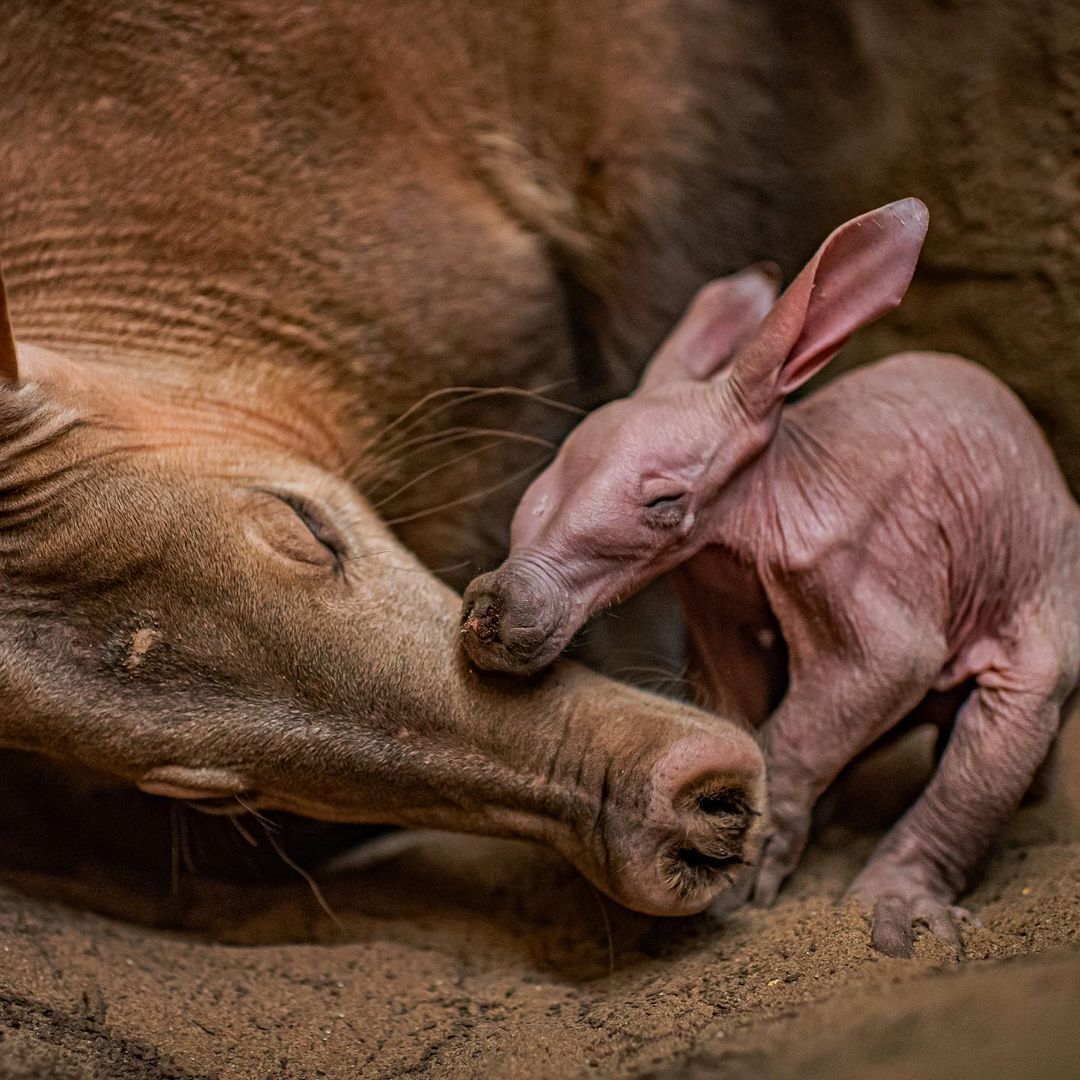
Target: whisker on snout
{"type": "Point", "coordinates": [383, 472]}
{"type": "Point", "coordinates": [450, 569]}
{"type": "Point", "coordinates": [460, 395]}
{"type": "Point", "coordinates": [411, 411]}
{"type": "Point", "coordinates": [473, 496]}
{"type": "Point", "coordinates": [725, 804]}
{"type": "Point", "coordinates": [175, 810]}
{"type": "Point", "coordinates": [261, 818]}
{"type": "Point", "coordinates": [244, 834]}
{"type": "Point", "coordinates": [180, 845]}
{"type": "Point", "coordinates": [441, 438]}
{"type": "Point", "coordinates": [701, 860]}
{"type": "Point", "coordinates": [439, 468]}
{"type": "Point", "coordinates": [657, 679]}
{"type": "Point", "coordinates": [312, 884]}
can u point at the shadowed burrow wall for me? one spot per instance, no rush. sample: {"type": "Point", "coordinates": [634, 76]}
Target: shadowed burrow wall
{"type": "Point", "coordinates": [973, 105]}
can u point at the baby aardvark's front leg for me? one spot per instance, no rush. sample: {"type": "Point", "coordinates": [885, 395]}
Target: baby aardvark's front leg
{"type": "Point", "coordinates": [1001, 736]}
{"type": "Point", "coordinates": [842, 698]}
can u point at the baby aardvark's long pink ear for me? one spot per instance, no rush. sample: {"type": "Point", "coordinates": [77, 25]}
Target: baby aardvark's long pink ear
{"type": "Point", "coordinates": [720, 318]}
{"type": "Point", "coordinates": [9, 364]}
{"type": "Point", "coordinates": [861, 271]}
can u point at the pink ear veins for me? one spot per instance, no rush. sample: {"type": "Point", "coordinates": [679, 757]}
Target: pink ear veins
{"type": "Point", "coordinates": [861, 271]}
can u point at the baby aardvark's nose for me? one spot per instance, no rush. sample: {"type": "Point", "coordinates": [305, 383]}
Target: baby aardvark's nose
{"type": "Point", "coordinates": [482, 617]}
{"type": "Point", "coordinates": [505, 624]}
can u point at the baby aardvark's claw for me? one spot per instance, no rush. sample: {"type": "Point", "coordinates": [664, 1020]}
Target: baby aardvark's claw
{"type": "Point", "coordinates": [771, 872]}
{"type": "Point", "coordinates": [896, 916]}
{"type": "Point", "coordinates": [789, 831]}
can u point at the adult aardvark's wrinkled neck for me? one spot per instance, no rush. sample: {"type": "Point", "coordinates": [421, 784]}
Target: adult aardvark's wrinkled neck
{"type": "Point", "coordinates": [658, 804]}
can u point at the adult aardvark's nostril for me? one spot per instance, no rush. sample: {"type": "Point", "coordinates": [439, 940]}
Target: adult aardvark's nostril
{"type": "Point", "coordinates": [709, 791]}
{"type": "Point", "coordinates": [700, 861]}
{"type": "Point", "coordinates": [718, 838]}
{"type": "Point", "coordinates": [720, 803]}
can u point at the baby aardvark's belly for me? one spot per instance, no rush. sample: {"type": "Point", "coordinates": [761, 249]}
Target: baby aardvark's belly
{"type": "Point", "coordinates": [734, 637]}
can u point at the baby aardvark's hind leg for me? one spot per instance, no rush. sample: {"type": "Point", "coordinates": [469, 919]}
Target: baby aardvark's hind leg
{"type": "Point", "coordinates": [1002, 734]}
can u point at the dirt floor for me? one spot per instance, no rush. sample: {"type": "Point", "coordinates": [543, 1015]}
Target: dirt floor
{"type": "Point", "coordinates": [473, 958]}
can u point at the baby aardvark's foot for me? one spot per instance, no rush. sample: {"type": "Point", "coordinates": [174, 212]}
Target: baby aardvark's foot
{"type": "Point", "coordinates": [779, 856]}
{"type": "Point", "coordinates": [788, 831]}
{"type": "Point", "coordinates": [897, 905]}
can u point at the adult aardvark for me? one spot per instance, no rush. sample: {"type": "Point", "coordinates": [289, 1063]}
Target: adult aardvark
{"type": "Point", "coordinates": [239, 240]}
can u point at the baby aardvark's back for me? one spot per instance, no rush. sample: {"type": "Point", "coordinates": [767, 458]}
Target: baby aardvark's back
{"type": "Point", "coordinates": [928, 472]}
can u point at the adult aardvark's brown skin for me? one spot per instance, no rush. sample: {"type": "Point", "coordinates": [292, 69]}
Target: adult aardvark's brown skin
{"type": "Point", "coordinates": [239, 240]}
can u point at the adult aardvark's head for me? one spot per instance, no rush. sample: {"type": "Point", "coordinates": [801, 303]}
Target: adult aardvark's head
{"type": "Point", "coordinates": [196, 600]}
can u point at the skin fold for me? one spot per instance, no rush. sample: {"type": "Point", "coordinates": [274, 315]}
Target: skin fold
{"type": "Point", "coordinates": [902, 532]}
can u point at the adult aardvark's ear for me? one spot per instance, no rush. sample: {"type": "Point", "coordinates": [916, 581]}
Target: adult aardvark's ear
{"type": "Point", "coordinates": [9, 364]}
{"type": "Point", "coordinates": [861, 271]}
{"type": "Point", "coordinates": [720, 318]}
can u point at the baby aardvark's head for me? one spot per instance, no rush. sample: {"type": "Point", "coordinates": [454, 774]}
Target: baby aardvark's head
{"type": "Point", "coordinates": [618, 507]}
{"type": "Point", "coordinates": [634, 488]}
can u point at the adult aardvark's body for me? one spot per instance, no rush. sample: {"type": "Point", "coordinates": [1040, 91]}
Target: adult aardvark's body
{"type": "Point", "coordinates": [241, 238]}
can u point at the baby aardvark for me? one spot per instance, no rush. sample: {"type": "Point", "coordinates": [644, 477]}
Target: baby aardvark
{"type": "Point", "coordinates": [906, 529]}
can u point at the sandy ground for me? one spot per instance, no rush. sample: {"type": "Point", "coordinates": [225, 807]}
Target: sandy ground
{"type": "Point", "coordinates": [473, 958]}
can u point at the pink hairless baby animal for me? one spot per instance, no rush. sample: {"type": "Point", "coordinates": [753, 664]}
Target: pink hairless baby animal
{"type": "Point", "coordinates": [906, 529]}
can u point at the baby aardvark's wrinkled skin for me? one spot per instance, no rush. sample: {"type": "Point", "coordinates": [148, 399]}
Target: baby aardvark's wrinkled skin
{"type": "Point", "coordinates": [905, 529]}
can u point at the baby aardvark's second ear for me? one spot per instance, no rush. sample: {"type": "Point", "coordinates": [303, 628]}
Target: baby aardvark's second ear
{"type": "Point", "coordinates": [861, 271]}
{"type": "Point", "coordinates": [722, 315]}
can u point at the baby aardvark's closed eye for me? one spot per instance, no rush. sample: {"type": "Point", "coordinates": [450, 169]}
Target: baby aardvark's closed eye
{"type": "Point", "coordinates": [663, 503]}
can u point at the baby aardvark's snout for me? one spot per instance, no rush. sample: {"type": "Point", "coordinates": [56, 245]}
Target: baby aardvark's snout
{"type": "Point", "coordinates": [511, 621]}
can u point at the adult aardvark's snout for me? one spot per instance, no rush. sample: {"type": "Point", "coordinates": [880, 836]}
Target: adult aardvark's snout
{"type": "Point", "coordinates": [257, 659]}
{"type": "Point", "coordinates": [515, 620]}
{"type": "Point", "coordinates": [671, 810]}
{"type": "Point", "coordinates": [699, 830]}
